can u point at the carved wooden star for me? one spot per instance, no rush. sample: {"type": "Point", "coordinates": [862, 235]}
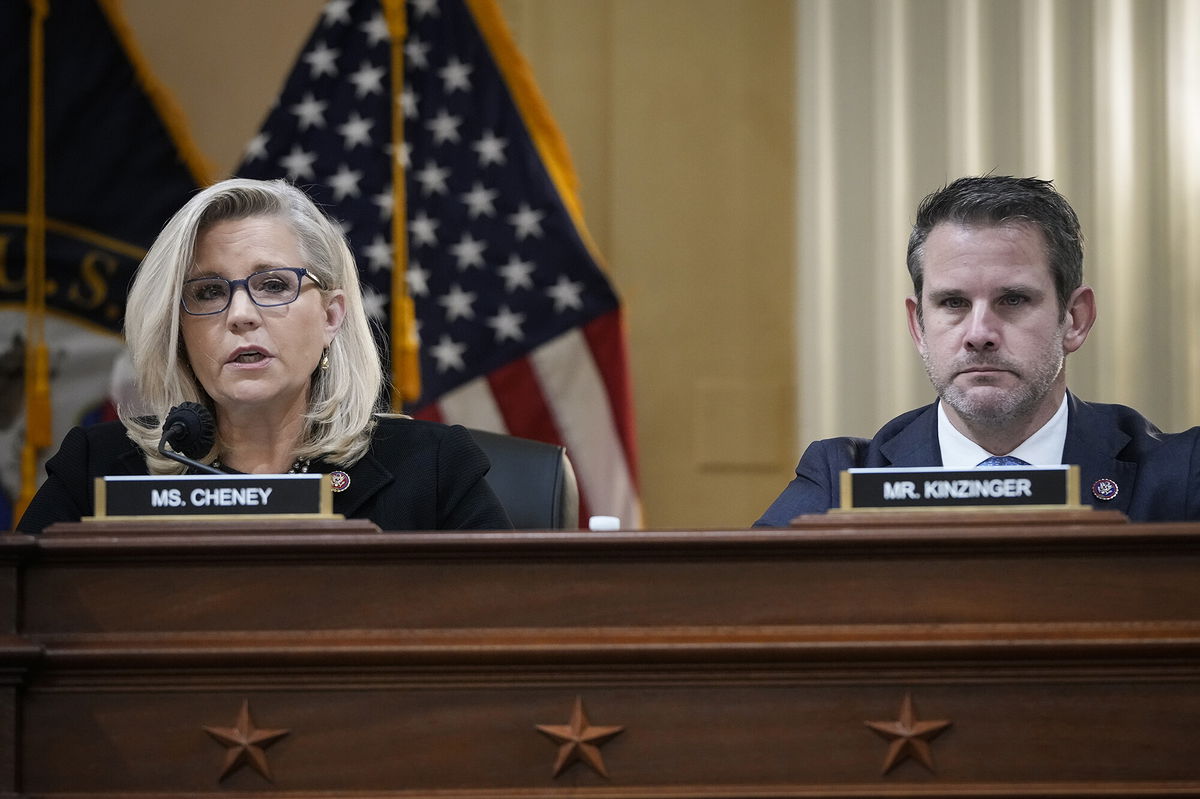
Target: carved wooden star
{"type": "Point", "coordinates": [909, 737]}
{"type": "Point", "coordinates": [579, 740]}
{"type": "Point", "coordinates": [245, 744]}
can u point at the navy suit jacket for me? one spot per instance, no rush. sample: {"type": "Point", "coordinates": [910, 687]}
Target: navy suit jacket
{"type": "Point", "coordinates": [416, 476]}
{"type": "Point", "coordinates": [1157, 474]}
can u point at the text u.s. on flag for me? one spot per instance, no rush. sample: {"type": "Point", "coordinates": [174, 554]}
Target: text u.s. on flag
{"type": "Point", "coordinates": [520, 331]}
{"type": "Point", "coordinates": [94, 158]}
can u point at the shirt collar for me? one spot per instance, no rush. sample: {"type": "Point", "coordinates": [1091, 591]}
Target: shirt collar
{"type": "Point", "coordinates": [1043, 448]}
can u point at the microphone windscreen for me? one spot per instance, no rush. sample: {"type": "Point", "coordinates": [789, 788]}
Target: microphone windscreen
{"type": "Point", "coordinates": [190, 429]}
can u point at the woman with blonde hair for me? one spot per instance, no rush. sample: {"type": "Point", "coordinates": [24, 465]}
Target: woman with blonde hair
{"type": "Point", "coordinates": [287, 366]}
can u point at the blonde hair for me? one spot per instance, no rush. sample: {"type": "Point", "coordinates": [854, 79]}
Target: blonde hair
{"type": "Point", "coordinates": [342, 398]}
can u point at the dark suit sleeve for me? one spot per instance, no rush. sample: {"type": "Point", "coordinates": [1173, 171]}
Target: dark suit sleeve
{"type": "Point", "coordinates": [1192, 490]}
{"type": "Point", "coordinates": [465, 500]}
{"type": "Point", "coordinates": [66, 494]}
{"type": "Point", "coordinates": [816, 486]}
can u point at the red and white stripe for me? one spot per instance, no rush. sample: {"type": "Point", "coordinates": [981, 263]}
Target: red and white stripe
{"type": "Point", "coordinates": [571, 391]}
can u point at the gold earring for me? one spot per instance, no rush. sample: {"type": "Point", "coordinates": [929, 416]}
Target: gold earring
{"type": "Point", "coordinates": [325, 359]}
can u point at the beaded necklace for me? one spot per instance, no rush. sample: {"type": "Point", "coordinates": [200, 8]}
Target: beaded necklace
{"type": "Point", "coordinates": [299, 467]}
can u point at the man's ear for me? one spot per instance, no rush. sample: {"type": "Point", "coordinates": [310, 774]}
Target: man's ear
{"type": "Point", "coordinates": [912, 305]}
{"type": "Point", "coordinates": [1081, 315]}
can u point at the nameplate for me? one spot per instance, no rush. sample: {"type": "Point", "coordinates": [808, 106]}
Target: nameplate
{"type": "Point", "coordinates": [938, 487]}
{"type": "Point", "coordinates": [214, 496]}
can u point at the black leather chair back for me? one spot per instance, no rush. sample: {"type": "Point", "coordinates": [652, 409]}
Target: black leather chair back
{"type": "Point", "coordinates": [534, 481]}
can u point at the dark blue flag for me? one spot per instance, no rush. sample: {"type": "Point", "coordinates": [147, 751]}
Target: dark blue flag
{"type": "Point", "coordinates": [110, 165]}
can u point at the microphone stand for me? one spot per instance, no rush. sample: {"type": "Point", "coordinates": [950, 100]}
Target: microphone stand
{"type": "Point", "coordinates": [186, 461]}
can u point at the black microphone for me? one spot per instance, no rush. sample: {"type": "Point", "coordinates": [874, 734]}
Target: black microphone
{"type": "Point", "coordinates": [191, 431]}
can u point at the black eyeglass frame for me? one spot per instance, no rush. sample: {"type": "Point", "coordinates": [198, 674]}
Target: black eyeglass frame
{"type": "Point", "coordinates": [244, 282]}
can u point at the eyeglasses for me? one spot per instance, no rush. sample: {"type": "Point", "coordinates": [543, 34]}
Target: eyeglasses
{"type": "Point", "coordinates": [204, 296]}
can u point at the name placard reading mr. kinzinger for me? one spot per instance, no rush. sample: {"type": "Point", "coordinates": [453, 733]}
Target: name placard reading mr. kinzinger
{"type": "Point", "coordinates": [938, 487]}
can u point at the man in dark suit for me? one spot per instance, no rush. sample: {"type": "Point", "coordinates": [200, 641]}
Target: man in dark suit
{"type": "Point", "coordinates": [998, 303]}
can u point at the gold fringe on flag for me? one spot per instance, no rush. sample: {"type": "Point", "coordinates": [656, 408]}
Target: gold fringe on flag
{"type": "Point", "coordinates": [406, 357]}
{"type": "Point", "coordinates": [547, 137]}
{"type": "Point", "coordinates": [160, 97]}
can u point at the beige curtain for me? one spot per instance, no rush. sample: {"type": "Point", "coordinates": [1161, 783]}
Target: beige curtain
{"type": "Point", "coordinates": [896, 97]}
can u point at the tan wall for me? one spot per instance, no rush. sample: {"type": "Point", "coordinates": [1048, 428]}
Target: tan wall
{"type": "Point", "coordinates": [223, 60]}
{"type": "Point", "coordinates": [680, 116]}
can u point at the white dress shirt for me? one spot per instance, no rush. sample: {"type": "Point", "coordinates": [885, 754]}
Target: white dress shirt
{"type": "Point", "coordinates": [1043, 448]}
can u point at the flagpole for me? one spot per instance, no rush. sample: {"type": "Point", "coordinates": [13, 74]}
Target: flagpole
{"type": "Point", "coordinates": [406, 361]}
{"type": "Point", "coordinates": [37, 356]}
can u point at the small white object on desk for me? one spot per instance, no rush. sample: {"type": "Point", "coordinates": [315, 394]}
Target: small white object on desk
{"type": "Point", "coordinates": [604, 523]}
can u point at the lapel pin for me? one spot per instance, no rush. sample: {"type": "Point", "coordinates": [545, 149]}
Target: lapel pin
{"type": "Point", "coordinates": [1105, 489]}
{"type": "Point", "coordinates": [340, 481]}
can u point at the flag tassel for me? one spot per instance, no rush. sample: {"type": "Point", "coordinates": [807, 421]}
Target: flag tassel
{"type": "Point", "coordinates": [37, 357]}
{"type": "Point", "coordinates": [406, 356]}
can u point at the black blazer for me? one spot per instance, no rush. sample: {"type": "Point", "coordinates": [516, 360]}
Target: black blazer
{"type": "Point", "coordinates": [417, 475]}
{"type": "Point", "coordinates": [1157, 474]}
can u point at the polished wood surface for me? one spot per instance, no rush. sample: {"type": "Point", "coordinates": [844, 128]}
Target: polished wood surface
{"type": "Point", "coordinates": [990, 654]}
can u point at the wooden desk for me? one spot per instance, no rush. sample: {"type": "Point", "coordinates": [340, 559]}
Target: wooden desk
{"type": "Point", "coordinates": [1062, 652]}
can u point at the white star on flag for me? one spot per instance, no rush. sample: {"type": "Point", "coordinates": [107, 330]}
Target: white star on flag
{"type": "Point", "coordinates": [379, 254]}
{"type": "Point", "coordinates": [345, 183]}
{"type": "Point", "coordinates": [566, 294]}
{"type": "Point", "coordinates": [368, 80]}
{"type": "Point", "coordinates": [417, 279]}
{"type": "Point", "coordinates": [298, 164]}
{"type": "Point", "coordinates": [374, 303]}
{"type": "Point", "coordinates": [490, 149]}
{"type": "Point", "coordinates": [386, 201]}
{"type": "Point", "coordinates": [516, 274]}
{"type": "Point", "coordinates": [468, 252]}
{"type": "Point", "coordinates": [423, 229]}
{"type": "Point", "coordinates": [458, 303]}
{"type": "Point", "coordinates": [336, 12]}
{"type": "Point", "coordinates": [425, 8]}
{"type": "Point", "coordinates": [456, 76]}
{"type": "Point", "coordinates": [257, 148]}
{"type": "Point", "coordinates": [356, 131]}
{"type": "Point", "coordinates": [448, 354]}
{"type": "Point", "coordinates": [527, 222]}
{"type": "Point", "coordinates": [433, 179]}
{"type": "Point", "coordinates": [321, 60]}
{"type": "Point", "coordinates": [444, 127]}
{"type": "Point", "coordinates": [310, 112]}
{"type": "Point", "coordinates": [507, 324]}
{"type": "Point", "coordinates": [408, 102]}
{"type": "Point", "coordinates": [417, 52]}
{"type": "Point", "coordinates": [376, 29]}
{"type": "Point", "coordinates": [479, 201]}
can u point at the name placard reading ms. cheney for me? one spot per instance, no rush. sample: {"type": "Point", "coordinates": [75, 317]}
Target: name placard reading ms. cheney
{"type": "Point", "coordinates": [938, 487]}
{"type": "Point", "coordinates": [213, 496]}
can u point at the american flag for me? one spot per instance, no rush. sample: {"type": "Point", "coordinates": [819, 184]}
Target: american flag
{"type": "Point", "coordinates": [520, 331]}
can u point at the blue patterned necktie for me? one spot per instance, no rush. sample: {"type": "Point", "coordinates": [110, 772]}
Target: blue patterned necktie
{"type": "Point", "coordinates": [1002, 460]}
